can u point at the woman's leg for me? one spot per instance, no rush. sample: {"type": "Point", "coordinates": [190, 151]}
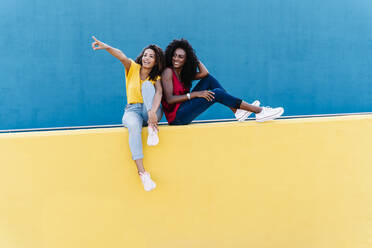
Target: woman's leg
{"type": "Point", "coordinates": [209, 83]}
{"type": "Point", "coordinates": [188, 111]}
{"type": "Point", "coordinates": [250, 107]}
{"type": "Point", "coordinates": [191, 109]}
{"type": "Point", "coordinates": [148, 93]}
{"type": "Point", "coordinates": [132, 119]}
{"type": "Point", "coordinates": [262, 114]}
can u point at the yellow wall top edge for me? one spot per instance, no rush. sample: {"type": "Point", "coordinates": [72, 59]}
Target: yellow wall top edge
{"type": "Point", "coordinates": [194, 125]}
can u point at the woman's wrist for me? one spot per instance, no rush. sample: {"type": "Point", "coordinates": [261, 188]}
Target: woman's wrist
{"type": "Point", "coordinates": [151, 112]}
{"type": "Point", "coordinates": [152, 116]}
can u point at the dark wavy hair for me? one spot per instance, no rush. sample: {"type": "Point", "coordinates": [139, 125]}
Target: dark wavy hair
{"type": "Point", "coordinates": [189, 69]}
{"type": "Point", "coordinates": [159, 61]}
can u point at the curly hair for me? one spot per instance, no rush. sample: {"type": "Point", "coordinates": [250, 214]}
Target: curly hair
{"type": "Point", "coordinates": [159, 61]}
{"type": "Point", "coordinates": [189, 69]}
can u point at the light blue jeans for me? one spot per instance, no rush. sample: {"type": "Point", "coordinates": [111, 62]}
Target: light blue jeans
{"type": "Point", "coordinates": [135, 117]}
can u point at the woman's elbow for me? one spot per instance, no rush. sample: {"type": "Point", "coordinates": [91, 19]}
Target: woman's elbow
{"type": "Point", "coordinates": [202, 75]}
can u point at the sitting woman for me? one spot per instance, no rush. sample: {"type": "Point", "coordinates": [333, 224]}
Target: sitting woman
{"type": "Point", "coordinates": [144, 93]}
{"type": "Point", "coordinates": [182, 106]}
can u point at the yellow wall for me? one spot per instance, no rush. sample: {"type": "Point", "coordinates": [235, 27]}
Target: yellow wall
{"type": "Point", "coordinates": [302, 183]}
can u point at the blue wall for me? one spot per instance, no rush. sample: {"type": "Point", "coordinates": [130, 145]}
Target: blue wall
{"type": "Point", "coordinates": [310, 56]}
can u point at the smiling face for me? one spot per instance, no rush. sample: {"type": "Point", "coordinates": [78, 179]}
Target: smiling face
{"type": "Point", "coordinates": [179, 58]}
{"type": "Point", "coordinates": [148, 58]}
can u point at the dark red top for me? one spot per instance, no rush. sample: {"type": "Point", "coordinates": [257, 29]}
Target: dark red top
{"type": "Point", "coordinates": [170, 110]}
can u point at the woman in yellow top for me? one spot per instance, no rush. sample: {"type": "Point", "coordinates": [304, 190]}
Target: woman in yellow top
{"type": "Point", "coordinates": [144, 93]}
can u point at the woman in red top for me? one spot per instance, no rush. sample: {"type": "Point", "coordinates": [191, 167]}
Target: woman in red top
{"type": "Point", "coordinates": [182, 106]}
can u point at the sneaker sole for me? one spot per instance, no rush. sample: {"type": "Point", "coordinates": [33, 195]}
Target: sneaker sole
{"type": "Point", "coordinates": [272, 117]}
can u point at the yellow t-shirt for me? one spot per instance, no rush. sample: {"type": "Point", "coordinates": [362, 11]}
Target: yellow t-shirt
{"type": "Point", "coordinates": [134, 83]}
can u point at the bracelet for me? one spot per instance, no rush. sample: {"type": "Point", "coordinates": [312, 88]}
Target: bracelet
{"type": "Point", "coordinates": [188, 96]}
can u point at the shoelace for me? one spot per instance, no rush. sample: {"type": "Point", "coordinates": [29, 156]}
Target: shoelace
{"type": "Point", "coordinates": [267, 108]}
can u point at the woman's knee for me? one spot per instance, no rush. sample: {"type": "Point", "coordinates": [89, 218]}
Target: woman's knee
{"type": "Point", "coordinates": [211, 79]}
{"type": "Point", "coordinates": [132, 124]}
{"type": "Point", "coordinates": [148, 93]}
{"type": "Point", "coordinates": [148, 87]}
{"type": "Point", "coordinates": [208, 77]}
{"type": "Point", "coordinates": [218, 92]}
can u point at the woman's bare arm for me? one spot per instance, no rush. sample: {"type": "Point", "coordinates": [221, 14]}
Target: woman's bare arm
{"type": "Point", "coordinates": [99, 45]}
{"type": "Point", "coordinates": [203, 72]}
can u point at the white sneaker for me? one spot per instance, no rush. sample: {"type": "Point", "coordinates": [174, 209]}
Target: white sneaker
{"type": "Point", "coordinates": [268, 114]}
{"type": "Point", "coordinates": [242, 114]}
{"type": "Point", "coordinates": [153, 138]}
{"type": "Point", "coordinates": [147, 182]}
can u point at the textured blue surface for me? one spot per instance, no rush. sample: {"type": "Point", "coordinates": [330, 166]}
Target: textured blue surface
{"type": "Point", "coordinates": [309, 56]}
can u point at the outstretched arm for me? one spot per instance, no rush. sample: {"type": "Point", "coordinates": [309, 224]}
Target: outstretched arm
{"type": "Point", "coordinates": [172, 99]}
{"type": "Point", "coordinates": [203, 72]}
{"type": "Point", "coordinates": [98, 45]}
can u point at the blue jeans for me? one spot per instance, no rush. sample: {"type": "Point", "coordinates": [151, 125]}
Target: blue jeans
{"type": "Point", "coordinates": [189, 110]}
{"type": "Point", "coordinates": [135, 117]}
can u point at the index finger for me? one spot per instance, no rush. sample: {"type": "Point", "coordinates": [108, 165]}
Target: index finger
{"type": "Point", "coordinates": [94, 38]}
{"type": "Point", "coordinates": [211, 92]}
